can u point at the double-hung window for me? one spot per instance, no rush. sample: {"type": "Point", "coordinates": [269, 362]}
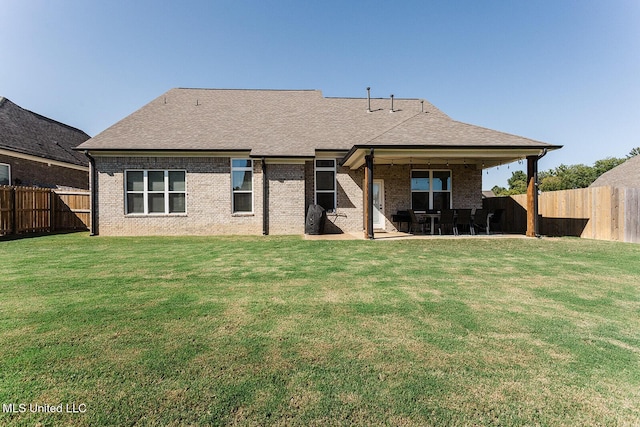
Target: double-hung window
{"type": "Point", "coordinates": [5, 174]}
{"type": "Point", "coordinates": [325, 183]}
{"type": "Point", "coordinates": [151, 192]}
{"type": "Point", "coordinates": [430, 190]}
{"type": "Point", "coordinates": [242, 185]}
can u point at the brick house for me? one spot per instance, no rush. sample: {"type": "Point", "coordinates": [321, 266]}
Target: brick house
{"type": "Point", "coordinates": [38, 151]}
{"type": "Point", "coordinates": [210, 161]}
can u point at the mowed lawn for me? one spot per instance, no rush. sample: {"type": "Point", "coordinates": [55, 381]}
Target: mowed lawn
{"type": "Point", "coordinates": [282, 331]}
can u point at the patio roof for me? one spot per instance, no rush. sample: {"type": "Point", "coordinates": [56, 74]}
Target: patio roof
{"type": "Point", "coordinates": [482, 157]}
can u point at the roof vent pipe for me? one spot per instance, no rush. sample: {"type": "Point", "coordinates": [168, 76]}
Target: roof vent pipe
{"type": "Point", "coordinates": [368, 99]}
{"type": "Point", "coordinates": [422, 105]}
{"type": "Point", "coordinates": [392, 110]}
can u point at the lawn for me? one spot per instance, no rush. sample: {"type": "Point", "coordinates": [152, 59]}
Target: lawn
{"type": "Point", "coordinates": [283, 331]}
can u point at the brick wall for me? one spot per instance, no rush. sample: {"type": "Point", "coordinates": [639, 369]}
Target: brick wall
{"type": "Point", "coordinates": [29, 173]}
{"type": "Point", "coordinates": [208, 198]}
{"type": "Point", "coordinates": [349, 216]}
{"type": "Point", "coordinates": [286, 195]}
{"type": "Point", "coordinates": [290, 192]}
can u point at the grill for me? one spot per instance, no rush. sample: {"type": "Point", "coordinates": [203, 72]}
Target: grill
{"type": "Point", "coordinates": [316, 217]}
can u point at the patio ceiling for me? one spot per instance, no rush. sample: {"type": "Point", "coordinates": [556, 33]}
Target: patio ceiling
{"type": "Point", "coordinates": [481, 157]}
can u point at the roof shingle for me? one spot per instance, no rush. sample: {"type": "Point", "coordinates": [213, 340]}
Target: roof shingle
{"type": "Point", "coordinates": [626, 174]}
{"type": "Point", "coordinates": [289, 123]}
{"type": "Point", "coordinates": [26, 132]}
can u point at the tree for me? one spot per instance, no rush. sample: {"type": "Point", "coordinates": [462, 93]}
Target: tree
{"type": "Point", "coordinates": [518, 182]}
{"type": "Point", "coordinates": [500, 191]}
{"type": "Point", "coordinates": [563, 177]}
{"type": "Point", "coordinates": [604, 165]}
{"type": "Point", "coordinates": [517, 185]}
{"type": "Point", "coordinates": [633, 152]}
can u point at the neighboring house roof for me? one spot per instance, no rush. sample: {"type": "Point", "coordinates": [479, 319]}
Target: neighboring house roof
{"type": "Point", "coordinates": [25, 132]}
{"type": "Point", "coordinates": [285, 123]}
{"type": "Point", "coordinates": [626, 174]}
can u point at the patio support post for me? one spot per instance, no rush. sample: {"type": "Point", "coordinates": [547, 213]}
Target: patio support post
{"type": "Point", "coordinates": [368, 199]}
{"type": "Point", "coordinates": [532, 196]}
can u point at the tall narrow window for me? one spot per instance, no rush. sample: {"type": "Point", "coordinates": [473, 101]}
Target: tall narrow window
{"type": "Point", "coordinates": [135, 192]}
{"type": "Point", "coordinates": [325, 181]}
{"type": "Point", "coordinates": [155, 192]}
{"type": "Point", "coordinates": [242, 185]}
{"type": "Point", "coordinates": [5, 174]}
{"type": "Point", "coordinates": [430, 190]}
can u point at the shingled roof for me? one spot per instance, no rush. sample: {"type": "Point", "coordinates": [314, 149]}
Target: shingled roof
{"type": "Point", "coordinates": [626, 174]}
{"type": "Point", "coordinates": [26, 132]}
{"type": "Point", "coordinates": [291, 123]}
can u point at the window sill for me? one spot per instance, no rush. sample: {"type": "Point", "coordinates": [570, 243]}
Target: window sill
{"type": "Point", "coordinates": [158, 215]}
{"type": "Point", "coordinates": [241, 214]}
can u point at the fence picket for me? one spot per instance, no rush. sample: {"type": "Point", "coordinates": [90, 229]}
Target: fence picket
{"type": "Point", "coordinates": [38, 210]}
{"type": "Point", "coordinates": [604, 213]}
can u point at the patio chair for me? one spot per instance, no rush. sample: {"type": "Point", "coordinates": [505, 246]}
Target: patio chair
{"type": "Point", "coordinates": [463, 221]}
{"type": "Point", "coordinates": [447, 219]}
{"type": "Point", "coordinates": [415, 221]}
{"type": "Point", "coordinates": [480, 220]}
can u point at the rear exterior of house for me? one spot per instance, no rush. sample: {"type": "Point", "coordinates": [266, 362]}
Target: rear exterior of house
{"type": "Point", "coordinates": [207, 162]}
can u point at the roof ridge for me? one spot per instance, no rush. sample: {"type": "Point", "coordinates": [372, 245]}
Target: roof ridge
{"type": "Point", "coordinates": [48, 119]}
{"type": "Point", "coordinates": [364, 97]}
{"type": "Point", "coordinates": [249, 89]}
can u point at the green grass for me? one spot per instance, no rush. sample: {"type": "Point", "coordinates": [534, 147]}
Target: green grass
{"type": "Point", "coordinates": [283, 331]}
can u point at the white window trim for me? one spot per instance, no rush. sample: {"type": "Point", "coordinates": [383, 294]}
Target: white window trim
{"type": "Point", "coordinates": [431, 190]}
{"type": "Point", "coordinates": [242, 169]}
{"type": "Point", "coordinates": [333, 169]}
{"type": "Point", "coordinates": [9, 171]}
{"type": "Point", "coordinates": [145, 193]}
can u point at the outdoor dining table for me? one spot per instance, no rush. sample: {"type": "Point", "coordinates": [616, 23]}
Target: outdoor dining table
{"type": "Point", "coordinates": [432, 216]}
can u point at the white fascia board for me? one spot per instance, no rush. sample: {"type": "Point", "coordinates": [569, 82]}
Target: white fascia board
{"type": "Point", "coordinates": [134, 153]}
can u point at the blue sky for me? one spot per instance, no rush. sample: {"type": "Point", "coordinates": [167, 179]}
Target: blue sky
{"type": "Point", "coordinates": [559, 71]}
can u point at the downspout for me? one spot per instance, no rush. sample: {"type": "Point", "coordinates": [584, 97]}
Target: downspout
{"type": "Point", "coordinates": [265, 199]}
{"type": "Point", "coordinates": [536, 223]}
{"type": "Point", "coordinates": [92, 191]}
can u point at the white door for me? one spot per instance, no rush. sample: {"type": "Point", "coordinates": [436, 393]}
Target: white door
{"type": "Point", "coordinates": [378, 204]}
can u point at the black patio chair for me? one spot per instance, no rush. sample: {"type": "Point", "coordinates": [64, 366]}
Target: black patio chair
{"type": "Point", "coordinates": [463, 221]}
{"type": "Point", "coordinates": [447, 220]}
{"type": "Point", "coordinates": [480, 220]}
{"type": "Point", "coordinates": [415, 221]}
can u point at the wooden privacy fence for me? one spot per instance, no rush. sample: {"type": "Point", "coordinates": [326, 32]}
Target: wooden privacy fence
{"type": "Point", "coordinates": [42, 210]}
{"type": "Point", "coordinates": [603, 213]}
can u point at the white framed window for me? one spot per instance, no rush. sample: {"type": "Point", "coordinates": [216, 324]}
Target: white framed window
{"type": "Point", "coordinates": [325, 184]}
{"type": "Point", "coordinates": [5, 174]}
{"type": "Point", "coordinates": [152, 192]}
{"type": "Point", "coordinates": [242, 186]}
{"type": "Point", "coordinates": [430, 190]}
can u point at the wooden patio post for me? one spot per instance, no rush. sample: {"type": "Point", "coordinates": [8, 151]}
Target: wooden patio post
{"type": "Point", "coordinates": [368, 196]}
{"type": "Point", "coordinates": [532, 196]}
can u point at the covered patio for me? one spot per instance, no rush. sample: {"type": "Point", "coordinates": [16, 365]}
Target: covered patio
{"type": "Point", "coordinates": [441, 179]}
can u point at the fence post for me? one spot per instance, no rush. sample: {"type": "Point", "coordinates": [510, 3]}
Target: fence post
{"type": "Point", "coordinates": [13, 210]}
{"type": "Point", "coordinates": [52, 210]}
